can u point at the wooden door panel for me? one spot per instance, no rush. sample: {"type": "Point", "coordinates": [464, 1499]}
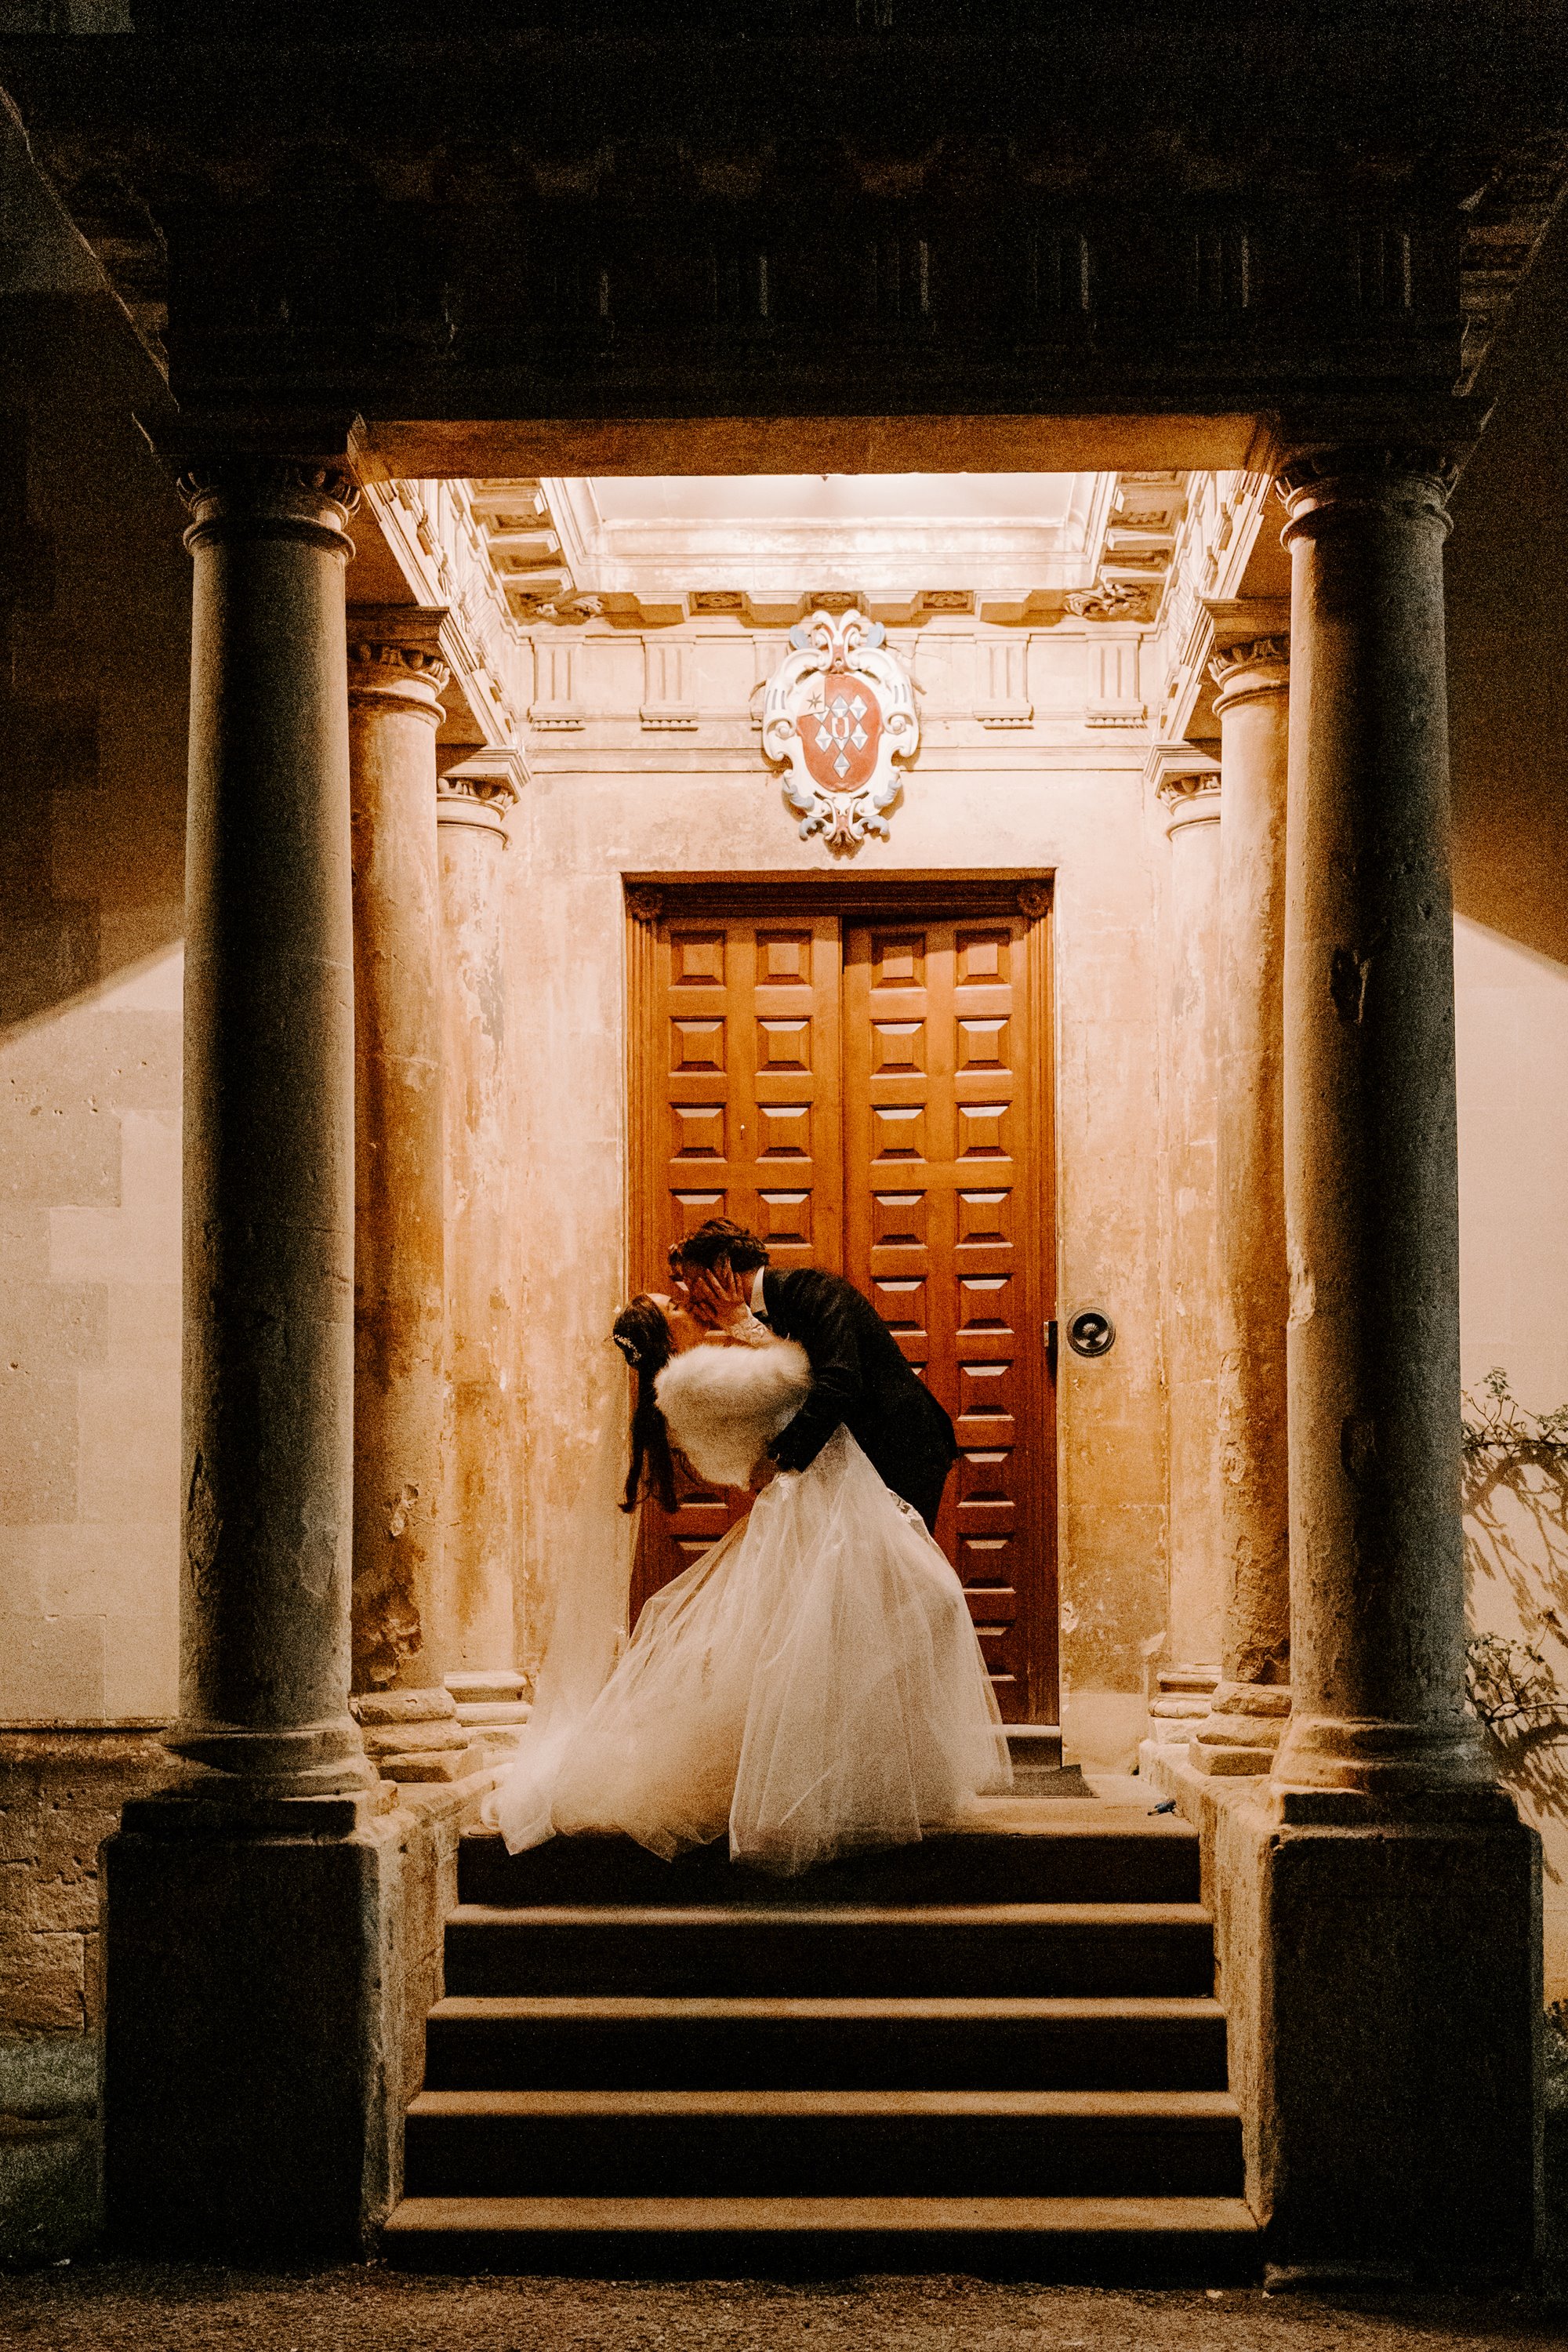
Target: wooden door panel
{"type": "Point", "coordinates": [875, 1106]}
{"type": "Point", "coordinates": [746, 1112]}
{"type": "Point", "coordinates": [943, 1234]}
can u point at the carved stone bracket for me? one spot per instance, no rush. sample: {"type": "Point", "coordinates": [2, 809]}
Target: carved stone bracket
{"type": "Point", "coordinates": [1112, 603]}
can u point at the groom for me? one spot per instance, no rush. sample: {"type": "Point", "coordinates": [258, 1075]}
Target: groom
{"type": "Point", "coordinates": [859, 1375]}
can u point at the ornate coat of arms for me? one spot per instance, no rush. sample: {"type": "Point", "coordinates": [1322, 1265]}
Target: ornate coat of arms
{"type": "Point", "coordinates": [840, 709]}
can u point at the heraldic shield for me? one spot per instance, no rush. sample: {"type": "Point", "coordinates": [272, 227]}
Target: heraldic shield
{"type": "Point", "coordinates": [839, 710]}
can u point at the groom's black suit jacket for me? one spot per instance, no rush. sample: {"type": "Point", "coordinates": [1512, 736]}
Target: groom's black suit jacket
{"type": "Point", "coordinates": [859, 1377]}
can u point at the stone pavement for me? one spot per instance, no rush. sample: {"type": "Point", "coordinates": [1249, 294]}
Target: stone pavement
{"type": "Point", "coordinates": [115, 2307]}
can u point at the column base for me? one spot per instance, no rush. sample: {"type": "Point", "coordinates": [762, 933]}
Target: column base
{"type": "Point", "coordinates": [491, 1703]}
{"type": "Point", "coordinates": [310, 1760]}
{"type": "Point", "coordinates": [1182, 1703]}
{"type": "Point", "coordinates": [1374, 1757]}
{"type": "Point", "coordinates": [1241, 1734]}
{"type": "Point", "coordinates": [414, 1736]}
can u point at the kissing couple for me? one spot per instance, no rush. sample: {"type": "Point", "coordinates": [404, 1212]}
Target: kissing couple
{"type": "Point", "coordinates": [812, 1683]}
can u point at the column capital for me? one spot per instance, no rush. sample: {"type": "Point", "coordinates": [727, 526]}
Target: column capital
{"type": "Point", "coordinates": [1406, 481]}
{"type": "Point", "coordinates": [1187, 781]}
{"type": "Point", "coordinates": [1251, 668]}
{"type": "Point", "coordinates": [238, 495]}
{"type": "Point", "coordinates": [395, 654]}
{"type": "Point", "coordinates": [481, 789]}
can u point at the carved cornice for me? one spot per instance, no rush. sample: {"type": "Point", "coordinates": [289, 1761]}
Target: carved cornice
{"type": "Point", "coordinates": [481, 790]}
{"type": "Point", "coordinates": [441, 547]}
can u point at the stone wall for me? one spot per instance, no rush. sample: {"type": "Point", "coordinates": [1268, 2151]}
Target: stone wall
{"type": "Point", "coordinates": [1508, 614]}
{"type": "Point", "coordinates": [94, 655]}
{"type": "Point", "coordinates": [60, 1796]}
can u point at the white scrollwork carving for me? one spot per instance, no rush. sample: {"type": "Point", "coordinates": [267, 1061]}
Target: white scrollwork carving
{"type": "Point", "coordinates": [839, 710]}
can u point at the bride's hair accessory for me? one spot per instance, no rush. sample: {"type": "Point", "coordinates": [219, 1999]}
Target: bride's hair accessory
{"type": "Point", "coordinates": [628, 1349]}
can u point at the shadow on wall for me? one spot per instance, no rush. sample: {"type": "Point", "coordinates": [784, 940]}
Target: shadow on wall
{"type": "Point", "coordinates": [94, 626]}
{"type": "Point", "coordinates": [1508, 634]}
{"type": "Point", "coordinates": [1515, 1502]}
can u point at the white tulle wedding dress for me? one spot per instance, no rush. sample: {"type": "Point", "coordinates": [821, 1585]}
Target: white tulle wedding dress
{"type": "Point", "coordinates": [812, 1683]}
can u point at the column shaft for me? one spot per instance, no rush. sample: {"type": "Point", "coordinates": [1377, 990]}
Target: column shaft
{"type": "Point", "coordinates": [1249, 1706]}
{"type": "Point", "coordinates": [1191, 803]}
{"type": "Point", "coordinates": [394, 710]}
{"type": "Point", "coordinates": [269, 1136]}
{"type": "Point", "coordinates": [1377, 1588]}
{"type": "Point", "coordinates": [481, 1527]}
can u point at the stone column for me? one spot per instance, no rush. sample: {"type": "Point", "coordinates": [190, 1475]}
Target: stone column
{"type": "Point", "coordinates": [481, 1532]}
{"type": "Point", "coordinates": [268, 1136]}
{"type": "Point", "coordinates": [256, 1952]}
{"type": "Point", "coordinates": [395, 678]}
{"type": "Point", "coordinates": [1243, 1730]}
{"type": "Point", "coordinates": [1371, 1171]}
{"type": "Point", "coordinates": [1189, 792]}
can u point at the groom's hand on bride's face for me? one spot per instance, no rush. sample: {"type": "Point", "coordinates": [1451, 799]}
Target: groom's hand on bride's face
{"type": "Point", "coordinates": [718, 1297]}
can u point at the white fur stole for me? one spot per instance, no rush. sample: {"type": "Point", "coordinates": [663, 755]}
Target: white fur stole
{"type": "Point", "coordinates": [724, 1404]}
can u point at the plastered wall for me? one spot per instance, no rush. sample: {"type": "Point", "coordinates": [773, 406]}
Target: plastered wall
{"type": "Point", "coordinates": [611, 796]}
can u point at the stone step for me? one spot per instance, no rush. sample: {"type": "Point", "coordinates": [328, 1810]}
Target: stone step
{"type": "Point", "coordinates": [824, 2143]}
{"type": "Point", "coordinates": [610, 2042]}
{"type": "Point", "coordinates": [1060, 1949]}
{"type": "Point", "coordinates": [1017, 1851]}
{"type": "Point", "coordinates": [1155, 2241]}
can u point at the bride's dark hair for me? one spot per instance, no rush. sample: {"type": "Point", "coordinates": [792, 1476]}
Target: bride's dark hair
{"type": "Point", "coordinates": [641, 1334]}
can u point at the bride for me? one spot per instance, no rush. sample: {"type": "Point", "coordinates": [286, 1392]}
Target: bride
{"type": "Point", "coordinates": [812, 1683]}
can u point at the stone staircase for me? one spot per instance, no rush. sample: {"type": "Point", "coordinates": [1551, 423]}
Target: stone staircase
{"type": "Point", "coordinates": [997, 2050]}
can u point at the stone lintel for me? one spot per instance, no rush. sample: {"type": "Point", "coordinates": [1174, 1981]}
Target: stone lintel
{"type": "Point", "coordinates": [1435, 431]}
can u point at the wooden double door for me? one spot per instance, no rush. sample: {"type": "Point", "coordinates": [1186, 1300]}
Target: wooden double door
{"type": "Point", "coordinates": [863, 1081]}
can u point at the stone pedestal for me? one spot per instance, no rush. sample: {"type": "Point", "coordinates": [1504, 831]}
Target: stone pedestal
{"type": "Point", "coordinates": [395, 677]}
{"type": "Point", "coordinates": [1243, 1729]}
{"type": "Point", "coordinates": [253, 2079]}
{"type": "Point", "coordinates": [1189, 792]}
{"type": "Point", "coordinates": [480, 1534]}
{"type": "Point", "coordinates": [1381, 1985]}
